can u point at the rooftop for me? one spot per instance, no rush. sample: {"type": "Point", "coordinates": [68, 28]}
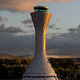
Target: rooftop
{"type": "Point", "coordinates": [40, 8]}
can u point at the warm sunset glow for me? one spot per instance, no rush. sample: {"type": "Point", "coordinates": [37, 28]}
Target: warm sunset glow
{"type": "Point", "coordinates": [25, 5]}
{"type": "Point", "coordinates": [40, 39]}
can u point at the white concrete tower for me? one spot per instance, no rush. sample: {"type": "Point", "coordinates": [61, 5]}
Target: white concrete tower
{"type": "Point", "coordinates": [40, 68]}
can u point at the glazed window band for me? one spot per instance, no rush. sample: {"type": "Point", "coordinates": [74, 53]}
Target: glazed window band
{"type": "Point", "coordinates": [39, 76]}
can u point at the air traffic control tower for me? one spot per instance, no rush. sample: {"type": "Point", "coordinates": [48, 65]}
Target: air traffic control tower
{"type": "Point", "coordinates": [40, 68]}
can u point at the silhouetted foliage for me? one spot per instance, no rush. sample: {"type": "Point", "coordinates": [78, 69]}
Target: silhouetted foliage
{"type": "Point", "coordinates": [66, 68]}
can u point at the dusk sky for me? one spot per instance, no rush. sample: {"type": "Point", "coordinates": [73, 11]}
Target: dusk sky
{"type": "Point", "coordinates": [17, 31]}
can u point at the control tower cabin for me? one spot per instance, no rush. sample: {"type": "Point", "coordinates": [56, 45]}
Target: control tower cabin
{"type": "Point", "coordinates": [40, 68]}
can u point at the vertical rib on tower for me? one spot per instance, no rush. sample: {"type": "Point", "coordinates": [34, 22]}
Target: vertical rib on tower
{"type": "Point", "coordinates": [40, 68]}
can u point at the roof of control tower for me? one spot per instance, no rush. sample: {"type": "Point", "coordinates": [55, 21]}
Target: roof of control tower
{"type": "Point", "coordinates": [40, 8]}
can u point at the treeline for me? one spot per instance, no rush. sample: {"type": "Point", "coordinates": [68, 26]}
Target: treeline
{"type": "Point", "coordinates": [13, 68]}
{"type": "Point", "coordinates": [66, 69]}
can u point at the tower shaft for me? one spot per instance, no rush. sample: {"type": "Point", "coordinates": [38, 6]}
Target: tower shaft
{"type": "Point", "coordinates": [40, 20]}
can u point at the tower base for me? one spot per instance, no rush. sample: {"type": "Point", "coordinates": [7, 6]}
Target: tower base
{"type": "Point", "coordinates": [41, 78]}
{"type": "Point", "coordinates": [40, 69]}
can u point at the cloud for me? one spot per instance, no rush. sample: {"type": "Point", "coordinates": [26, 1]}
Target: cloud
{"type": "Point", "coordinates": [74, 34]}
{"type": "Point", "coordinates": [25, 5]}
{"type": "Point", "coordinates": [16, 45]}
{"type": "Point", "coordinates": [58, 28]}
{"type": "Point", "coordinates": [9, 29]}
{"type": "Point", "coordinates": [52, 25]}
{"type": "Point", "coordinates": [63, 44]}
{"type": "Point", "coordinates": [27, 21]}
{"type": "Point", "coordinates": [30, 26]}
{"type": "Point", "coordinates": [3, 19]}
{"type": "Point", "coordinates": [73, 30]}
{"type": "Point", "coordinates": [0, 18]}
{"type": "Point", "coordinates": [66, 43]}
